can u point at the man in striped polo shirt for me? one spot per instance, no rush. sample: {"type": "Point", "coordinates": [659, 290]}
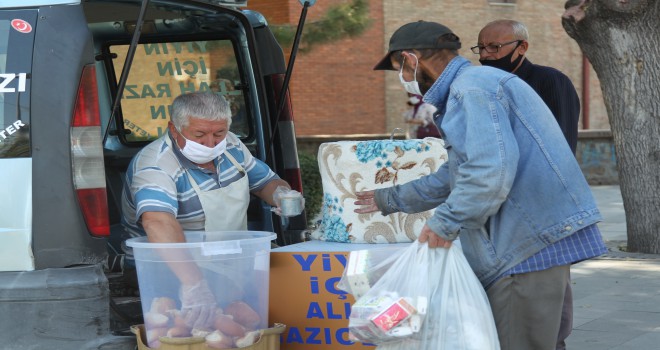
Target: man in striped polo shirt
{"type": "Point", "coordinates": [197, 177]}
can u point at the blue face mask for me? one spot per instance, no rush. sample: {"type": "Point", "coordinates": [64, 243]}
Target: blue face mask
{"type": "Point", "coordinates": [410, 86]}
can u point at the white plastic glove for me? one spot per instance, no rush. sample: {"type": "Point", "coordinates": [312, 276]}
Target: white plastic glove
{"type": "Point", "coordinates": [289, 202]}
{"type": "Point", "coordinates": [198, 305]}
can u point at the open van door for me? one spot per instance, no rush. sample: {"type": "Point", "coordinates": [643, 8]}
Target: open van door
{"type": "Point", "coordinates": [63, 157]}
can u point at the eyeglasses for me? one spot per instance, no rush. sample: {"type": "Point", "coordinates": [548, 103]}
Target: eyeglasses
{"type": "Point", "coordinates": [492, 48]}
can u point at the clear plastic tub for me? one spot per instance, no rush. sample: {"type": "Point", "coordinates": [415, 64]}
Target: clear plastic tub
{"type": "Point", "coordinates": [235, 265]}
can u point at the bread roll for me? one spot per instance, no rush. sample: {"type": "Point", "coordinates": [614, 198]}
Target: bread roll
{"type": "Point", "coordinates": [155, 320]}
{"type": "Point", "coordinates": [153, 336]}
{"type": "Point", "coordinates": [226, 325]}
{"type": "Point", "coordinates": [243, 314]}
{"type": "Point", "coordinates": [248, 339]}
{"type": "Point", "coordinates": [218, 340]}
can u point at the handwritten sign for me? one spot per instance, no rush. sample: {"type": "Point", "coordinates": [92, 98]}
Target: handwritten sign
{"type": "Point", "coordinates": [163, 71]}
{"type": "Point", "coordinates": [304, 296]}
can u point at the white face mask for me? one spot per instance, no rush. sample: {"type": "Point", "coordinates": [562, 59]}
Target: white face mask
{"type": "Point", "coordinates": [200, 154]}
{"type": "Point", "coordinates": [410, 86]}
{"type": "Point", "coordinates": [414, 100]}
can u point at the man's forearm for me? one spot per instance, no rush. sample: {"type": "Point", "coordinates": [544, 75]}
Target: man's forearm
{"type": "Point", "coordinates": [161, 229]}
{"type": "Point", "coordinates": [164, 232]}
{"type": "Point", "coordinates": [266, 193]}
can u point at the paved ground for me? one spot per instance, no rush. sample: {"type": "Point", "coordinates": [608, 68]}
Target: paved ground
{"type": "Point", "coordinates": [616, 296]}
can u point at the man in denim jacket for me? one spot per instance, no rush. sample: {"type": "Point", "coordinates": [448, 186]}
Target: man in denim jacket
{"type": "Point", "coordinates": [511, 187]}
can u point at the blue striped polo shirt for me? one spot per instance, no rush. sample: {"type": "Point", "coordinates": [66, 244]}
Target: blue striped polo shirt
{"type": "Point", "coordinates": [156, 181]}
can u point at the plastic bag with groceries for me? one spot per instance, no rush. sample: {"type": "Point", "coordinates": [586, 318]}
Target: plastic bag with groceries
{"type": "Point", "coordinates": [428, 298]}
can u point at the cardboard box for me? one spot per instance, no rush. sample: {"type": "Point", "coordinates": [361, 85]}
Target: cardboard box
{"type": "Point", "coordinates": [304, 294]}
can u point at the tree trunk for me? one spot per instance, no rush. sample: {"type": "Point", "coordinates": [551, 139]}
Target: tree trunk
{"type": "Point", "coordinates": [621, 38]}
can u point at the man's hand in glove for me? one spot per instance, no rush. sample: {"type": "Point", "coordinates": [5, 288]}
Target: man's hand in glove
{"type": "Point", "coordinates": [198, 305]}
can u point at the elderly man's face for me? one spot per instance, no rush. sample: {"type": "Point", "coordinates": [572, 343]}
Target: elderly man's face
{"type": "Point", "coordinates": [499, 38]}
{"type": "Point", "coordinates": [204, 132]}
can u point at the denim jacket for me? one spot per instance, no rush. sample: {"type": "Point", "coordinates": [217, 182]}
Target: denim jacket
{"type": "Point", "coordinates": [511, 185]}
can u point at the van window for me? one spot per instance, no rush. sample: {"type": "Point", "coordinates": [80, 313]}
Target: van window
{"type": "Point", "coordinates": [162, 71]}
{"type": "Point", "coordinates": [17, 32]}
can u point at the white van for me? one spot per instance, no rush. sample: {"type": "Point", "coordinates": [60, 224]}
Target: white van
{"type": "Point", "coordinates": [66, 140]}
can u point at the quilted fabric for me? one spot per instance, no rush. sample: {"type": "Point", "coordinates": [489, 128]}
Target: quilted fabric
{"type": "Point", "coordinates": [348, 167]}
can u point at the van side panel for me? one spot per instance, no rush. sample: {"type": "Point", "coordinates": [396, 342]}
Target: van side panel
{"type": "Point", "coordinates": [16, 237]}
{"type": "Point", "coordinates": [62, 47]}
{"type": "Point", "coordinates": [64, 304]}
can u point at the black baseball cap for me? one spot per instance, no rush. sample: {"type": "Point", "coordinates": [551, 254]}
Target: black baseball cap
{"type": "Point", "coordinates": [417, 35]}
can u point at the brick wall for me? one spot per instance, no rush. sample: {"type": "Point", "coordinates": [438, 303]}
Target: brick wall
{"type": "Point", "coordinates": [335, 91]}
{"type": "Point", "coordinates": [276, 11]}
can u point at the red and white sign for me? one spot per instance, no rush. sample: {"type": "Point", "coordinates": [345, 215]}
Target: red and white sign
{"type": "Point", "coordinates": [21, 25]}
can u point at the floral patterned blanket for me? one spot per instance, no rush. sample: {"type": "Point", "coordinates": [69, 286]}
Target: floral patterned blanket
{"type": "Point", "coordinates": [348, 167]}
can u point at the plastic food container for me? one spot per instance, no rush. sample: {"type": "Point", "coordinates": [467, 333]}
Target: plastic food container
{"type": "Point", "coordinates": [235, 265]}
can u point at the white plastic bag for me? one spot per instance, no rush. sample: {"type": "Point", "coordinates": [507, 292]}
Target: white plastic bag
{"type": "Point", "coordinates": [430, 300]}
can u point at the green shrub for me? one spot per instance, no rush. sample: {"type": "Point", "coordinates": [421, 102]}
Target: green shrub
{"type": "Point", "coordinates": [312, 186]}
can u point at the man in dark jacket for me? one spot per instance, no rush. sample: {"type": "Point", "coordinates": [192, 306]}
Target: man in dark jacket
{"type": "Point", "coordinates": [503, 44]}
